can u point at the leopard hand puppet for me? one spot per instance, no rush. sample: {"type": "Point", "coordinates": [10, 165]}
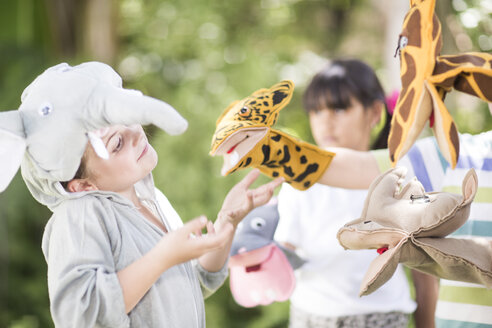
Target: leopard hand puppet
{"type": "Point", "coordinates": [244, 138]}
{"type": "Point", "coordinates": [407, 225]}
{"type": "Point", "coordinates": [426, 77]}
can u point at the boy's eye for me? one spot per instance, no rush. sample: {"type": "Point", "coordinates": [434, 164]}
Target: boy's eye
{"type": "Point", "coordinates": [120, 143]}
{"type": "Point", "coordinates": [117, 143]}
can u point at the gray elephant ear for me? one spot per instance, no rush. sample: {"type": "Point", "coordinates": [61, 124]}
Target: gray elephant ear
{"type": "Point", "coordinates": [124, 106]}
{"type": "Point", "coordinates": [12, 146]}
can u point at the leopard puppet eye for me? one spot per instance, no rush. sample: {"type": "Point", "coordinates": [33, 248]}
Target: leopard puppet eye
{"type": "Point", "coordinates": [245, 111]}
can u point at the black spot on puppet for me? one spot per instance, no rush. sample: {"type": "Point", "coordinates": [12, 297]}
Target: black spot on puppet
{"type": "Point", "coordinates": [286, 158]}
{"type": "Point", "coordinates": [298, 148]}
{"type": "Point", "coordinates": [306, 184]}
{"type": "Point", "coordinates": [248, 161]}
{"type": "Point", "coordinates": [288, 171]}
{"type": "Point", "coordinates": [266, 153]}
{"type": "Point", "coordinates": [303, 159]}
{"type": "Point", "coordinates": [278, 96]}
{"type": "Point", "coordinates": [276, 137]}
{"type": "Point", "coordinates": [310, 169]}
{"type": "Point", "coordinates": [274, 174]}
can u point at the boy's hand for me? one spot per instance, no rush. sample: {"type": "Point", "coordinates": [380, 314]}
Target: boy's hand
{"type": "Point", "coordinates": [240, 200]}
{"type": "Point", "coordinates": [188, 242]}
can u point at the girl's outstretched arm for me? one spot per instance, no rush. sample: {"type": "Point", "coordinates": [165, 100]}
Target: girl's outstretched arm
{"type": "Point", "coordinates": [426, 294]}
{"type": "Point", "coordinates": [351, 169]}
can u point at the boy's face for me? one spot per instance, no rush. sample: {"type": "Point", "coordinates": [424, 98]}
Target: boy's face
{"type": "Point", "coordinates": [348, 128]}
{"type": "Point", "coordinates": [131, 158]}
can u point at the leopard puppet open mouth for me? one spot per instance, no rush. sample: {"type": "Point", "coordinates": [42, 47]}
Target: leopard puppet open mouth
{"type": "Point", "coordinates": [237, 145]}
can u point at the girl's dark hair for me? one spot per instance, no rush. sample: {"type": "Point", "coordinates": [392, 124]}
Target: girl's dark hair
{"type": "Point", "coordinates": [333, 87]}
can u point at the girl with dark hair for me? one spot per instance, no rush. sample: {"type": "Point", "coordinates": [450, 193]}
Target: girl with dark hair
{"type": "Point", "coordinates": [345, 104]}
{"type": "Point", "coordinates": [348, 92]}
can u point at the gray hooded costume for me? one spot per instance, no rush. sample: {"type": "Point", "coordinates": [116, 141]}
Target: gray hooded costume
{"type": "Point", "coordinates": [92, 235]}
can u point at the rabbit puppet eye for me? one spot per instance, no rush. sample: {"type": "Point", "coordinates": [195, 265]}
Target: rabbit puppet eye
{"type": "Point", "coordinates": [257, 223]}
{"type": "Point", "coordinates": [419, 199]}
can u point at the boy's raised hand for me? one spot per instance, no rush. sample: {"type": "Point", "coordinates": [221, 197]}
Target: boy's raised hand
{"type": "Point", "coordinates": [188, 242]}
{"type": "Point", "coordinates": [241, 200]}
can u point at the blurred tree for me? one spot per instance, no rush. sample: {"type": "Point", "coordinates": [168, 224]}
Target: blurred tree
{"type": "Point", "coordinates": [98, 29]}
{"type": "Point", "coordinates": [25, 43]}
{"type": "Point", "coordinates": [84, 28]}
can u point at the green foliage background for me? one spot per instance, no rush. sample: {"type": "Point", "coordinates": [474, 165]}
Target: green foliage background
{"type": "Point", "coordinates": [199, 56]}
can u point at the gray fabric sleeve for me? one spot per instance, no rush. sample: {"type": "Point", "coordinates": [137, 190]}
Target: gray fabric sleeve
{"type": "Point", "coordinates": [82, 282]}
{"type": "Point", "coordinates": [210, 281]}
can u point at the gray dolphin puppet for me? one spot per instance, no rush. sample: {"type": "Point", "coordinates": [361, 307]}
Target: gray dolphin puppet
{"type": "Point", "coordinates": [261, 270]}
{"type": "Point", "coordinates": [48, 134]}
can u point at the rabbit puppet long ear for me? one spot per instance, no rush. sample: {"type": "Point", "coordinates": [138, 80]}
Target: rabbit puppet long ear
{"type": "Point", "coordinates": [12, 146]}
{"type": "Point", "coordinates": [124, 106]}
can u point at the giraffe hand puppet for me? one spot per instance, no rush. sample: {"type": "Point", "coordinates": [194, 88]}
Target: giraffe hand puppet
{"type": "Point", "coordinates": [426, 77]}
{"type": "Point", "coordinates": [62, 110]}
{"type": "Point", "coordinates": [244, 138]}
{"type": "Point", "coordinates": [407, 225]}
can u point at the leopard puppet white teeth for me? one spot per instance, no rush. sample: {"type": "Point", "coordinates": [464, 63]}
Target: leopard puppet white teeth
{"type": "Point", "coordinates": [233, 160]}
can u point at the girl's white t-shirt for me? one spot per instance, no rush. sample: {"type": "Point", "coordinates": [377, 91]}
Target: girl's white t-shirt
{"type": "Point", "coordinates": [328, 283]}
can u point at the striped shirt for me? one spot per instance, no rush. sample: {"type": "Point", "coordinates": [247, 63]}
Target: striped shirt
{"type": "Point", "coordinates": [460, 304]}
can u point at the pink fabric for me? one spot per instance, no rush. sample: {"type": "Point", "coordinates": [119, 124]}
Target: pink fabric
{"type": "Point", "coordinates": [391, 100]}
{"type": "Point", "coordinates": [261, 282]}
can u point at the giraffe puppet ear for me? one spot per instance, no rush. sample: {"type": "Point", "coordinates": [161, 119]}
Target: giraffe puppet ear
{"type": "Point", "coordinates": [12, 146]}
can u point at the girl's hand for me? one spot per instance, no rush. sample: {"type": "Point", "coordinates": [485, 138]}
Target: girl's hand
{"type": "Point", "coordinates": [189, 243]}
{"type": "Point", "coordinates": [240, 200]}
